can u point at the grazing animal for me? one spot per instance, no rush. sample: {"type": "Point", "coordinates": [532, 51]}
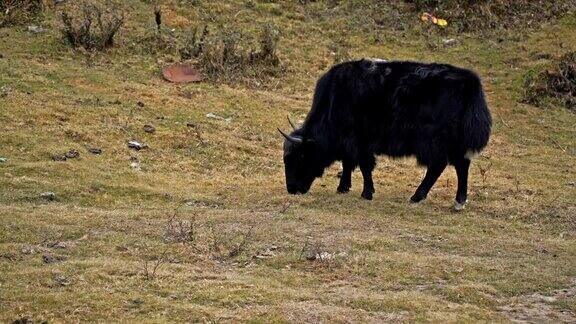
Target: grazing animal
{"type": "Point", "coordinates": [435, 112]}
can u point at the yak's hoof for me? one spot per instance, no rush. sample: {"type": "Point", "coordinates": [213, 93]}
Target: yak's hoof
{"type": "Point", "coordinates": [342, 189]}
{"type": "Point", "coordinates": [460, 206]}
{"type": "Point", "coordinates": [367, 194]}
{"type": "Point", "coordinates": [417, 198]}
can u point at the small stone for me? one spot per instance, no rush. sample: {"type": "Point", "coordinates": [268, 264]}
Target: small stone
{"type": "Point", "coordinates": [72, 154]}
{"type": "Point", "coordinates": [310, 255]}
{"type": "Point", "coordinates": [28, 249]}
{"type": "Point", "coordinates": [137, 301]}
{"type": "Point", "coordinates": [36, 29]}
{"type": "Point", "coordinates": [95, 150]}
{"type": "Point", "coordinates": [49, 195]}
{"type": "Point", "coordinates": [23, 320]}
{"type": "Point", "coordinates": [61, 280]}
{"type": "Point", "coordinates": [59, 157]}
{"type": "Point", "coordinates": [136, 145]}
{"type": "Point", "coordinates": [49, 258]}
{"type": "Point", "coordinates": [5, 91]}
{"type": "Point", "coordinates": [57, 245]}
{"type": "Point", "coordinates": [136, 166]}
{"type": "Point", "coordinates": [214, 116]}
{"type": "Point", "coordinates": [449, 41]}
{"type": "Point", "coordinates": [149, 129]}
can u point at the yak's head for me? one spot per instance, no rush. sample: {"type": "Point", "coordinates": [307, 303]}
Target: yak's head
{"type": "Point", "coordinates": [303, 161]}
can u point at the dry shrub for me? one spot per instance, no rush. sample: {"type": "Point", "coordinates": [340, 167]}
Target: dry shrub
{"type": "Point", "coordinates": [224, 55]}
{"type": "Point", "coordinates": [556, 81]}
{"type": "Point", "coordinates": [193, 43]}
{"type": "Point", "coordinates": [17, 12]}
{"type": "Point", "coordinates": [95, 30]}
{"type": "Point", "coordinates": [482, 15]}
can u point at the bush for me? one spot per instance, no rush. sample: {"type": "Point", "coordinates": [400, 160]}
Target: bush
{"type": "Point", "coordinates": [481, 15]}
{"type": "Point", "coordinates": [556, 81]}
{"type": "Point", "coordinates": [223, 55]}
{"type": "Point", "coordinates": [17, 12]}
{"type": "Point", "coordinates": [95, 30]}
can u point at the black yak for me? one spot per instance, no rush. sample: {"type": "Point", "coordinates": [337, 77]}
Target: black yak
{"type": "Point", "coordinates": [435, 112]}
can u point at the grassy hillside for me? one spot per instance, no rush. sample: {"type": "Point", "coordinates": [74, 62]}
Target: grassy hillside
{"type": "Point", "coordinates": [199, 225]}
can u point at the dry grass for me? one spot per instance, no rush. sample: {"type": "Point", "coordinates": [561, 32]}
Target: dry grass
{"type": "Point", "coordinates": [111, 246]}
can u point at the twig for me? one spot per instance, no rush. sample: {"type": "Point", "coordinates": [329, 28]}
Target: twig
{"type": "Point", "coordinates": [241, 246]}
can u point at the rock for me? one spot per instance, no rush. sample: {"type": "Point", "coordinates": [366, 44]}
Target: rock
{"type": "Point", "coordinates": [137, 301]}
{"type": "Point", "coordinates": [310, 255]}
{"type": "Point", "coordinates": [95, 150]}
{"type": "Point", "coordinates": [50, 196]}
{"type": "Point", "coordinates": [449, 41]}
{"type": "Point", "coordinates": [57, 245]}
{"type": "Point", "coordinates": [23, 320]}
{"type": "Point", "coordinates": [136, 166]}
{"type": "Point", "coordinates": [61, 280]}
{"type": "Point", "coordinates": [59, 157]}
{"type": "Point", "coordinates": [214, 116]}
{"type": "Point", "coordinates": [36, 29]}
{"type": "Point", "coordinates": [149, 129]}
{"type": "Point", "coordinates": [3, 159]}
{"type": "Point", "coordinates": [180, 73]}
{"type": "Point", "coordinates": [136, 145]}
{"type": "Point", "coordinates": [72, 154]}
{"type": "Point", "coordinates": [5, 91]}
{"type": "Point", "coordinates": [28, 249]}
{"type": "Point", "coordinates": [49, 258]}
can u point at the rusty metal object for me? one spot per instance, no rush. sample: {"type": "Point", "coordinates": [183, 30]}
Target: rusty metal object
{"type": "Point", "coordinates": [180, 73]}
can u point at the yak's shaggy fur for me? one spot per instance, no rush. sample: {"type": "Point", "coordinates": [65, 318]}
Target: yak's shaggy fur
{"type": "Point", "coordinates": [435, 112]}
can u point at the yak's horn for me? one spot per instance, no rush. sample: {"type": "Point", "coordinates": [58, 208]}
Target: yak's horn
{"type": "Point", "coordinates": [291, 123]}
{"type": "Point", "coordinates": [293, 139]}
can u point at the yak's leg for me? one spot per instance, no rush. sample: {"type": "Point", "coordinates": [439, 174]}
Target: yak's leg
{"type": "Point", "coordinates": [434, 171]}
{"type": "Point", "coordinates": [367, 164]}
{"type": "Point", "coordinates": [346, 179]}
{"type": "Point", "coordinates": [462, 167]}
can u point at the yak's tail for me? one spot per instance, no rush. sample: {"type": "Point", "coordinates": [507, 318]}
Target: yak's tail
{"type": "Point", "coordinates": [476, 121]}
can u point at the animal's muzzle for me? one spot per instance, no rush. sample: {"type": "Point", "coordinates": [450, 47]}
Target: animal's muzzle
{"type": "Point", "coordinates": [296, 190]}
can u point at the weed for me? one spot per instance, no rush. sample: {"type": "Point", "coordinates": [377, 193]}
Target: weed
{"type": "Point", "coordinates": [150, 268]}
{"type": "Point", "coordinates": [242, 245]}
{"type": "Point", "coordinates": [95, 30]}
{"type": "Point", "coordinates": [180, 231]}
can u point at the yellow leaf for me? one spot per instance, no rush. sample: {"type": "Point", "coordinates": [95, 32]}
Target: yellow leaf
{"type": "Point", "coordinates": [442, 23]}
